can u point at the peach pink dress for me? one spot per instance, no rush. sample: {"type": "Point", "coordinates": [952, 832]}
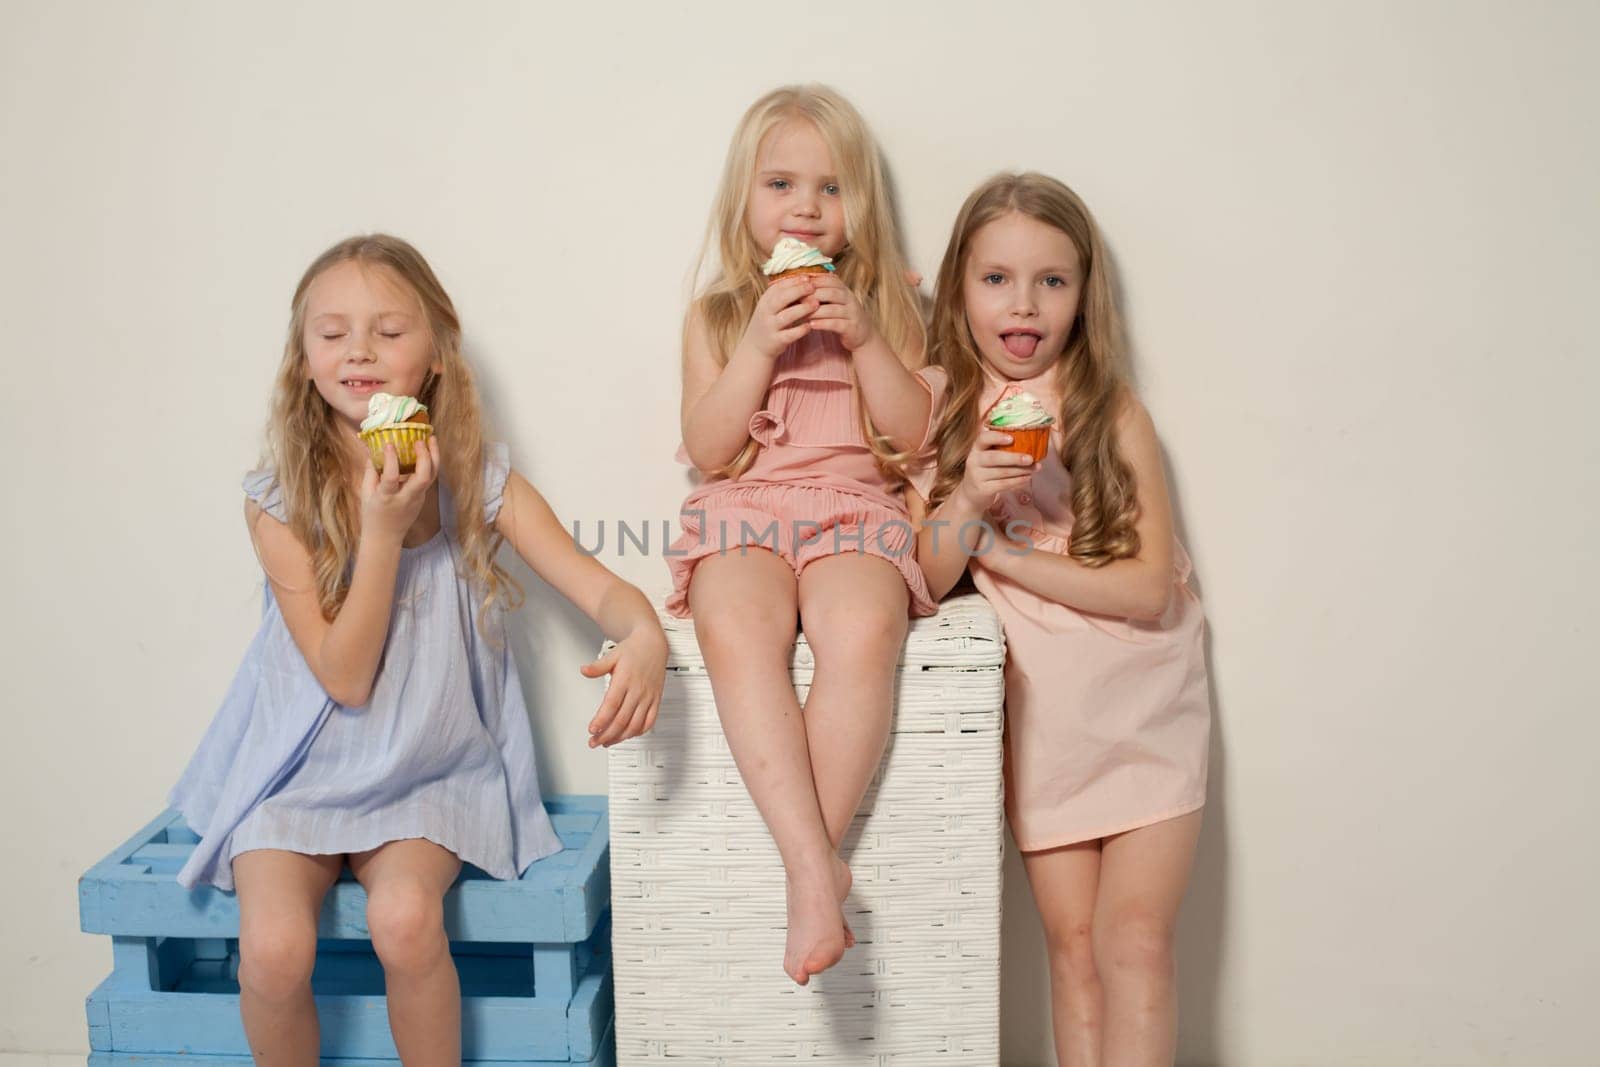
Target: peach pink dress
{"type": "Point", "coordinates": [814, 489]}
{"type": "Point", "coordinates": [1108, 720]}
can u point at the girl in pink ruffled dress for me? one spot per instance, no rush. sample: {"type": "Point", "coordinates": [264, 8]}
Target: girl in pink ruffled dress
{"type": "Point", "coordinates": [801, 409]}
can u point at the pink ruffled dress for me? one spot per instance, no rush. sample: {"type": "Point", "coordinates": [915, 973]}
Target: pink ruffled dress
{"type": "Point", "coordinates": [814, 489]}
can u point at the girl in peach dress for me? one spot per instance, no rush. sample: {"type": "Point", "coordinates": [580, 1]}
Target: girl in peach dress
{"type": "Point", "coordinates": [800, 409]}
{"type": "Point", "coordinates": [1107, 706]}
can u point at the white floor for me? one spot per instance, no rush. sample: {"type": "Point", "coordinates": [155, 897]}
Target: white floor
{"type": "Point", "coordinates": [42, 1059]}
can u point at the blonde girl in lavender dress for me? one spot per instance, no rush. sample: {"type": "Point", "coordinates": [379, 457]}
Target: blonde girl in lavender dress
{"type": "Point", "coordinates": [377, 718]}
{"type": "Point", "coordinates": [1107, 709]}
{"type": "Point", "coordinates": [800, 408]}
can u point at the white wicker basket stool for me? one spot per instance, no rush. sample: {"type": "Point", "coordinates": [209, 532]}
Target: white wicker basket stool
{"type": "Point", "coordinates": [698, 893]}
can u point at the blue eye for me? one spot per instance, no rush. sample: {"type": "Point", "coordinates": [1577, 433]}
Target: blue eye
{"type": "Point", "coordinates": [993, 279]}
{"type": "Point", "coordinates": [831, 190]}
{"type": "Point", "coordinates": [778, 184]}
{"type": "Point", "coordinates": [1055, 281]}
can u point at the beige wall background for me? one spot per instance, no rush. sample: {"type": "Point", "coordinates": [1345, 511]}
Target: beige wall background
{"type": "Point", "coordinates": [1359, 245]}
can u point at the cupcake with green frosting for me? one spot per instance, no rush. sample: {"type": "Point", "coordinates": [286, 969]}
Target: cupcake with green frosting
{"type": "Point", "coordinates": [1023, 417]}
{"type": "Point", "coordinates": [395, 420]}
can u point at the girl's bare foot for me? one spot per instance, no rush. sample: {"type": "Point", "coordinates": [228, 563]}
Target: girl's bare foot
{"type": "Point", "coordinates": [818, 934]}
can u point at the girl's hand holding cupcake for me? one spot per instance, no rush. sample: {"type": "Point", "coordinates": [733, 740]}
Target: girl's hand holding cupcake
{"type": "Point", "coordinates": [840, 312]}
{"type": "Point", "coordinates": [992, 470]}
{"type": "Point", "coordinates": [390, 503]}
{"type": "Point", "coordinates": [781, 316]}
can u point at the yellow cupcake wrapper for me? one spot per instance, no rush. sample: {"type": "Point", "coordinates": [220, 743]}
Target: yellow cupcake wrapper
{"type": "Point", "coordinates": [405, 437]}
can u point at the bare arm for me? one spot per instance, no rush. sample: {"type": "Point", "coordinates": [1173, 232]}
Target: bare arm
{"type": "Point", "coordinates": [719, 400]}
{"type": "Point", "coordinates": [344, 654]}
{"type": "Point", "coordinates": [948, 538]}
{"type": "Point", "coordinates": [899, 406]}
{"type": "Point", "coordinates": [1138, 587]}
{"type": "Point", "coordinates": [638, 663]}
{"type": "Point", "coordinates": [938, 553]}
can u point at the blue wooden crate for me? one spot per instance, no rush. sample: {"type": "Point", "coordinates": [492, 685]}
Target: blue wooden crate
{"type": "Point", "coordinates": [533, 956]}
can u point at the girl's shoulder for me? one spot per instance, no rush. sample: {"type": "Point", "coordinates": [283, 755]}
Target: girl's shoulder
{"type": "Point", "coordinates": [696, 323]}
{"type": "Point", "coordinates": [1130, 417]}
{"type": "Point", "coordinates": [706, 319]}
{"type": "Point", "coordinates": [262, 488]}
{"type": "Point", "coordinates": [935, 377]}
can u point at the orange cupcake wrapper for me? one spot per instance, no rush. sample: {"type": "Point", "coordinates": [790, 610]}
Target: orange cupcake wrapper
{"type": "Point", "coordinates": [1034, 441]}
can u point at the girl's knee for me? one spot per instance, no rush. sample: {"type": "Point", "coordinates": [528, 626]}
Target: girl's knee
{"type": "Point", "coordinates": [865, 632]}
{"type": "Point", "coordinates": [1136, 944]}
{"type": "Point", "coordinates": [1071, 950]}
{"type": "Point", "coordinates": [407, 927]}
{"type": "Point", "coordinates": [744, 625]}
{"type": "Point", "coordinates": [276, 957]}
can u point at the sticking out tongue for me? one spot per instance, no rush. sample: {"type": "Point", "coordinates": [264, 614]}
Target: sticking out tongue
{"type": "Point", "coordinates": [1020, 345]}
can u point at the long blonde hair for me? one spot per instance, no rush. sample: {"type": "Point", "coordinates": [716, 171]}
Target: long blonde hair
{"type": "Point", "coordinates": [310, 453]}
{"type": "Point", "coordinates": [1090, 376]}
{"type": "Point", "coordinates": [873, 264]}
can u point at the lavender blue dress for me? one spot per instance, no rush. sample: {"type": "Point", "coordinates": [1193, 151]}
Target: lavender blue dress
{"type": "Point", "coordinates": [442, 750]}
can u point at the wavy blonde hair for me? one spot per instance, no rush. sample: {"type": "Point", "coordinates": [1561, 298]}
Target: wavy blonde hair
{"type": "Point", "coordinates": [873, 263]}
{"type": "Point", "coordinates": [310, 453]}
{"type": "Point", "coordinates": [1090, 376]}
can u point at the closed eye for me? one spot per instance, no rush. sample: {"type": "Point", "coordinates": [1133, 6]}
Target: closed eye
{"type": "Point", "coordinates": [332, 336]}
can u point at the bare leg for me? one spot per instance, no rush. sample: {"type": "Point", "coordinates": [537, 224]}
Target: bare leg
{"type": "Point", "coordinates": [853, 608]}
{"type": "Point", "coordinates": [744, 608]}
{"type": "Point", "coordinates": [280, 895]}
{"type": "Point", "coordinates": [1065, 883]}
{"type": "Point", "coordinates": [406, 882]}
{"type": "Point", "coordinates": [1143, 875]}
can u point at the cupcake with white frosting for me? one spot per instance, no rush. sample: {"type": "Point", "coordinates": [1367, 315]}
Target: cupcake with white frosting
{"type": "Point", "coordinates": [791, 256]}
{"type": "Point", "coordinates": [401, 421]}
